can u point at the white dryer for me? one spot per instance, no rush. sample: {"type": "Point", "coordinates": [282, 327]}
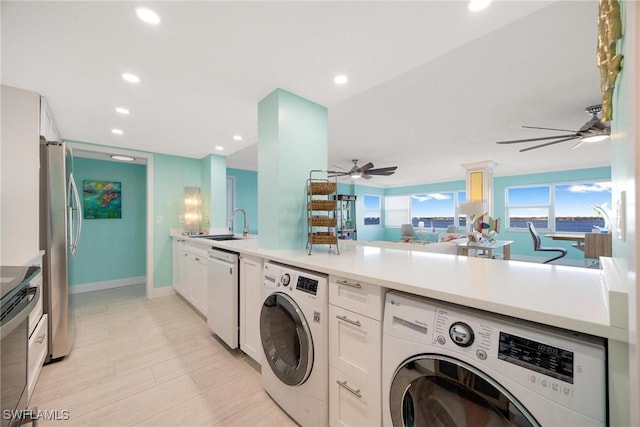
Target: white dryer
{"type": "Point", "coordinates": [448, 365]}
{"type": "Point", "coordinates": [294, 328]}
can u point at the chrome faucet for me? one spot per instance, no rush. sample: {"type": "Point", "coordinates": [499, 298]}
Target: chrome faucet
{"type": "Point", "coordinates": [245, 230]}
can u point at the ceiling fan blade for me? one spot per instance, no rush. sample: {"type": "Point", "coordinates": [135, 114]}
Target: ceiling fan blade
{"type": "Point", "coordinates": [547, 144]}
{"type": "Point", "coordinates": [561, 130]}
{"type": "Point", "coordinates": [383, 171]}
{"type": "Point", "coordinates": [365, 167]}
{"type": "Point", "coordinates": [365, 176]}
{"type": "Point", "coordinates": [517, 141]}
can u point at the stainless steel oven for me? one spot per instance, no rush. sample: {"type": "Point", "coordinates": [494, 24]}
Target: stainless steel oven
{"type": "Point", "coordinates": [18, 300]}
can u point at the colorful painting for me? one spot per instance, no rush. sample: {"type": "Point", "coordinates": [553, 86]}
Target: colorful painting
{"type": "Point", "coordinates": [101, 199]}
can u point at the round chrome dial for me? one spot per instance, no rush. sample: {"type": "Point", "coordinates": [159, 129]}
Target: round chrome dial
{"type": "Point", "coordinates": [461, 334]}
{"type": "Point", "coordinates": [285, 279]}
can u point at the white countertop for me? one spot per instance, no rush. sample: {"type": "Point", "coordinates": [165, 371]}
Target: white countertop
{"type": "Point", "coordinates": [572, 298]}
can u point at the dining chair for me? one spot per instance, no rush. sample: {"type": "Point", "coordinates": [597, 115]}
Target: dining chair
{"type": "Point", "coordinates": [407, 232]}
{"type": "Point", "coordinates": [537, 245]}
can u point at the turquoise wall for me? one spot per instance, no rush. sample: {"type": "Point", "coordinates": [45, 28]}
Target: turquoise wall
{"type": "Point", "coordinates": [292, 140]}
{"type": "Point", "coordinates": [246, 198]}
{"type": "Point", "coordinates": [112, 249]}
{"type": "Point", "coordinates": [214, 192]}
{"type": "Point", "coordinates": [171, 174]}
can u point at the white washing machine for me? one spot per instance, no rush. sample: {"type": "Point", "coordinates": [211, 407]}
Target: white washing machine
{"type": "Point", "coordinates": [294, 330]}
{"type": "Point", "coordinates": [446, 365]}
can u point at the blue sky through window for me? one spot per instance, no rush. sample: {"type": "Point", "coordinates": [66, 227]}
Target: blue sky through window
{"type": "Point", "coordinates": [579, 199]}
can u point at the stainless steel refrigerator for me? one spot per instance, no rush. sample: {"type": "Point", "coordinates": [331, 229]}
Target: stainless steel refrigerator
{"type": "Point", "coordinates": [60, 228]}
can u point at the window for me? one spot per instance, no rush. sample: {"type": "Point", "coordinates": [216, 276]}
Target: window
{"type": "Point", "coordinates": [372, 210]}
{"type": "Point", "coordinates": [574, 206]}
{"type": "Point", "coordinates": [434, 210]}
{"type": "Point", "coordinates": [526, 204]}
{"type": "Point", "coordinates": [396, 211]}
{"type": "Point", "coordinates": [562, 207]}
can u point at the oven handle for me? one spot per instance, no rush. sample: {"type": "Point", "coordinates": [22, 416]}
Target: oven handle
{"type": "Point", "coordinates": [12, 324]}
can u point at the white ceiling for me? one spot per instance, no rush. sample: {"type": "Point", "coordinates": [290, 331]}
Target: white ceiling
{"type": "Point", "coordinates": [432, 86]}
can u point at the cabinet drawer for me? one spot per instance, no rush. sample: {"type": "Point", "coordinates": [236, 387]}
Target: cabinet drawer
{"type": "Point", "coordinates": [37, 352]}
{"type": "Point", "coordinates": [360, 297]}
{"type": "Point", "coordinates": [352, 404]}
{"type": "Point", "coordinates": [355, 343]}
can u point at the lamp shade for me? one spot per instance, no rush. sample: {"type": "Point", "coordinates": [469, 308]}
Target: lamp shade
{"type": "Point", "coordinates": [472, 208]}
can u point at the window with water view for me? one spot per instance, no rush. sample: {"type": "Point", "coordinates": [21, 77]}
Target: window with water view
{"type": "Point", "coordinates": [574, 207]}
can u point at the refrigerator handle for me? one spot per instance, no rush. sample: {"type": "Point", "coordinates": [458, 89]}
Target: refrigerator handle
{"type": "Point", "coordinates": [74, 238]}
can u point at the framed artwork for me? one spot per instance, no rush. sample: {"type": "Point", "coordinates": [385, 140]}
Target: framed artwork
{"type": "Point", "coordinates": [101, 199]}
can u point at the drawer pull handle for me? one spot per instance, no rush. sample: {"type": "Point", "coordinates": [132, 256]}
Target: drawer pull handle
{"type": "Point", "coordinates": [353, 285]}
{"type": "Point", "coordinates": [344, 385]}
{"type": "Point", "coordinates": [40, 338]}
{"type": "Point", "coordinates": [346, 319]}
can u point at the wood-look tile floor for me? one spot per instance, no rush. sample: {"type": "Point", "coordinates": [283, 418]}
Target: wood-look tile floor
{"type": "Point", "coordinates": [140, 362]}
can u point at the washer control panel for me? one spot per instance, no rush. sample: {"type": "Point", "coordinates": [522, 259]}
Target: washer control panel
{"type": "Point", "coordinates": [310, 286]}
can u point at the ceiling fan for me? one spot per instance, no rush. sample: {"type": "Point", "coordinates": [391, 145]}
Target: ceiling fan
{"type": "Point", "coordinates": [366, 171]}
{"type": "Point", "coordinates": [593, 130]}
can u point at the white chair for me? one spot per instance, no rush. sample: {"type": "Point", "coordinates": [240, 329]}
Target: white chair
{"type": "Point", "coordinates": [407, 232]}
{"type": "Point", "coordinates": [452, 229]}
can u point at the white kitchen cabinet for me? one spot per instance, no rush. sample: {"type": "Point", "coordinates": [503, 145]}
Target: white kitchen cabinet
{"type": "Point", "coordinates": [37, 344]}
{"type": "Point", "coordinates": [196, 282]}
{"type": "Point", "coordinates": [48, 128]}
{"type": "Point", "coordinates": [37, 353]}
{"type": "Point", "coordinates": [250, 306]}
{"type": "Point", "coordinates": [355, 353]}
{"type": "Point", "coordinates": [19, 169]}
{"type": "Point", "coordinates": [191, 279]}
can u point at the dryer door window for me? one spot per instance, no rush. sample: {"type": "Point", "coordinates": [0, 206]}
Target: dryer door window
{"type": "Point", "coordinates": [286, 339]}
{"type": "Point", "coordinates": [436, 390]}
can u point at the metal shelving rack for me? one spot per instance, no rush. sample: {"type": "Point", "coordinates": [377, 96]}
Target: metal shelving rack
{"type": "Point", "coordinates": [322, 213]}
{"type": "Point", "coordinates": [346, 217]}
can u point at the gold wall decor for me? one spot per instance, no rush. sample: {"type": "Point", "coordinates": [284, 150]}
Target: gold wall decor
{"type": "Point", "coordinates": [608, 60]}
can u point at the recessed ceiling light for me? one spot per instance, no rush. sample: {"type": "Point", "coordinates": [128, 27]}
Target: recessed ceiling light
{"type": "Point", "coordinates": [117, 131]}
{"type": "Point", "coordinates": [122, 158]}
{"type": "Point", "coordinates": [237, 138]}
{"type": "Point", "coordinates": [341, 79]}
{"type": "Point", "coordinates": [148, 15]}
{"type": "Point", "coordinates": [478, 5]}
{"type": "Point", "coordinates": [219, 148]}
{"type": "Point", "coordinates": [122, 110]}
{"type": "Point", "coordinates": [131, 78]}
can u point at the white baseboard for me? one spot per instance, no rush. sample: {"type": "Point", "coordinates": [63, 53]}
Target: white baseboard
{"type": "Point", "coordinates": [108, 284]}
{"type": "Point", "coordinates": [165, 291]}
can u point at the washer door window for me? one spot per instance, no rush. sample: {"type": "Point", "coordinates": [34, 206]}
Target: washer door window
{"type": "Point", "coordinates": [436, 390]}
{"type": "Point", "coordinates": [286, 339]}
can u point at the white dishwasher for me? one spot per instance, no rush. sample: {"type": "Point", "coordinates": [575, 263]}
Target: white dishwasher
{"type": "Point", "coordinates": [222, 296]}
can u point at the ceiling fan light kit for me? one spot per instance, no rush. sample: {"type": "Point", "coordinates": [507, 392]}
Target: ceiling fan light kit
{"type": "Point", "coordinates": [593, 130]}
